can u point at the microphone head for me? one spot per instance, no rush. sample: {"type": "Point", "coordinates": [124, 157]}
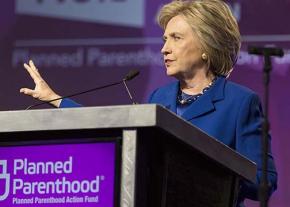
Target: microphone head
{"type": "Point", "coordinates": [132, 74]}
{"type": "Point", "coordinates": [266, 51]}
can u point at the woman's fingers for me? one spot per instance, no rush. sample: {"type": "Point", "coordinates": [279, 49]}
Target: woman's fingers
{"type": "Point", "coordinates": [29, 92]}
{"type": "Point", "coordinates": [35, 70]}
{"type": "Point", "coordinates": [42, 91]}
{"type": "Point", "coordinates": [35, 76]}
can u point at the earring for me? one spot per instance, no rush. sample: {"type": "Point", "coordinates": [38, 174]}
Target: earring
{"type": "Point", "coordinates": [204, 56]}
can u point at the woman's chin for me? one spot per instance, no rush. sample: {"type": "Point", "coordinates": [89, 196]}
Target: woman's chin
{"type": "Point", "coordinates": [170, 72]}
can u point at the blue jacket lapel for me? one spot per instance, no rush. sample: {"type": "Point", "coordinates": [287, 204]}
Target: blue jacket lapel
{"type": "Point", "coordinates": [170, 98]}
{"type": "Point", "coordinates": [166, 96]}
{"type": "Point", "coordinates": [205, 103]}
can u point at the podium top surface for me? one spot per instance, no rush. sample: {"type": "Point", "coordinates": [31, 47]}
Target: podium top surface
{"type": "Point", "coordinates": [128, 116]}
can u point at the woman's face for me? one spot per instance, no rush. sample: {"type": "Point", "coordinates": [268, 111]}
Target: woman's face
{"type": "Point", "coordinates": [181, 50]}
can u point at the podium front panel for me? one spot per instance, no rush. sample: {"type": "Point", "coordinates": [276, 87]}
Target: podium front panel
{"type": "Point", "coordinates": [67, 172]}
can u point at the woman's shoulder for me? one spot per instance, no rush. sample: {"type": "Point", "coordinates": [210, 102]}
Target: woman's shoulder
{"type": "Point", "coordinates": [164, 92]}
{"type": "Point", "coordinates": [168, 86]}
{"type": "Point", "coordinates": [232, 92]}
{"type": "Point", "coordinates": [238, 89]}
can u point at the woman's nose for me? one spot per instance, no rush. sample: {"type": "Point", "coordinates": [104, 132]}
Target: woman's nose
{"type": "Point", "coordinates": [166, 48]}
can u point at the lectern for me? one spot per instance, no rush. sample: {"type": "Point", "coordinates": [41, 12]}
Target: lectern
{"type": "Point", "coordinates": [115, 156]}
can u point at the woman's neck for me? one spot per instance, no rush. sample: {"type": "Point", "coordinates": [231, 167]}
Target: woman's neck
{"type": "Point", "coordinates": [197, 83]}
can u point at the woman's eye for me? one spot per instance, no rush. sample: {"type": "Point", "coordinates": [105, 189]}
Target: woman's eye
{"type": "Point", "coordinates": [176, 38]}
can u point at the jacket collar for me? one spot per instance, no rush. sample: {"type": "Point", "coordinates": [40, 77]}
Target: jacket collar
{"type": "Point", "coordinates": [205, 103]}
{"type": "Point", "coordinates": [202, 105]}
{"type": "Point", "coordinates": [170, 97]}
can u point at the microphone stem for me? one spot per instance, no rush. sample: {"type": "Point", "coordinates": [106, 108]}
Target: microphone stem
{"type": "Point", "coordinates": [75, 94]}
{"type": "Point", "coordinates": [132, 74]}
{"type": "Point", "coordinates": [128, 91]}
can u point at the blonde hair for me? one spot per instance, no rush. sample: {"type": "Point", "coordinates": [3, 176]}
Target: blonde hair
{"type": "Point", "coordinates": [215, 26]}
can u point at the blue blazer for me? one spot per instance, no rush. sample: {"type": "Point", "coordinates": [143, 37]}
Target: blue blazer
{"type": "Point", "coordinates": [229, 112]}
{"type": "Point", "coordinates": [232, 114]}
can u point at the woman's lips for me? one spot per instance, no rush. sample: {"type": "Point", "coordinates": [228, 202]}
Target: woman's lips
{"type": "Point", "coordinates": [167, 62]}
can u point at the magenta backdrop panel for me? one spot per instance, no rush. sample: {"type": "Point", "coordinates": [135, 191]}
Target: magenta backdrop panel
{"type": "Point", "coordinates": [81, 44]}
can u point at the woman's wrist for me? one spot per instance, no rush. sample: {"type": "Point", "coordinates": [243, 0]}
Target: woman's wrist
{"type": "Point", "coordinates": [57, 101]}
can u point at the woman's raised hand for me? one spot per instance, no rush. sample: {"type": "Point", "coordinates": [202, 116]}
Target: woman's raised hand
{"type": "Point", "coordinates": [42, 90]}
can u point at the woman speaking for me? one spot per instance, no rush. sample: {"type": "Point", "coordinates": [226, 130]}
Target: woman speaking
{"type": "Point", "coordinates": [201, 46]}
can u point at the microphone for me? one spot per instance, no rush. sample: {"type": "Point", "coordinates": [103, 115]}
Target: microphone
{"type": "Point", "coordinates": [131, 74]}
{"type": "Point", "coordinates": [266, 51]}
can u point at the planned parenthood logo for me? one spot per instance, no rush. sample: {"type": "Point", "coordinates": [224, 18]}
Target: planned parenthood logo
{"type": "Point", "coordinates": [6, 177]}
{"type": "Point", "coordinates": [112, 12]}
{"type": "Point", "coordinates": [57, 178]}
